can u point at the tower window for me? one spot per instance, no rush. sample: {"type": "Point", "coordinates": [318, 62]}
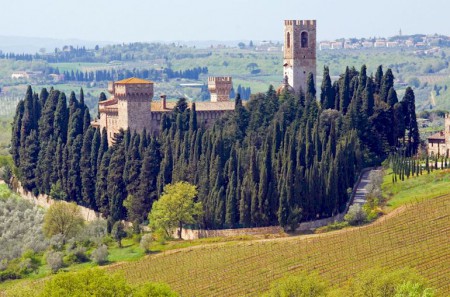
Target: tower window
{"type": "Point", "coordinates": [288, 40]}
{"type": "Point", "coordinates": [304, 39]}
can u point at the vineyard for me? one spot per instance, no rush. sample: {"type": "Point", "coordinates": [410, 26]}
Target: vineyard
{"type": "Point", "coordinates": [416, 235]}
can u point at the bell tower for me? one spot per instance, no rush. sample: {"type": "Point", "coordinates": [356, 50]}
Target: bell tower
{"type": "Point", "coordinates": [299, 52]}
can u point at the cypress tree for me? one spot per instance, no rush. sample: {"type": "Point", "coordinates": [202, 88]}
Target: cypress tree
{"type": "Point", "coordinates": [61, 119]}
{"type": "Point", "coordinates": [16, 130]}
{"type": "Point", "coordinates": [101, 187]}
{"type": "Point", "coordinates": [387, 83]}
{"type": "Point", "coordinates": [378, 79]}
{"type": "Point", "coordinates": [327, 96]}
{"type": "Point", "coordinates": [46, 122]}
{"type": "Point", "coordinates": [74, 184]}
{"type": "Point", "coordinates": [116, 187]}
{"type": "Point", "coordinates": [392, 97]}
{"type": "Point", "coordinates": [28, 161]}
{"type": "Point", "coordinates": [86, 170]}
{"type": "Point", "coordinates": [344, 91]}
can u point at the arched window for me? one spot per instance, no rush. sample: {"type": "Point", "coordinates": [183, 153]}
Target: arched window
{"type": "Point", "coordinates": [304, 39]}
{"type": "Point", "coordinates": [288, 40]}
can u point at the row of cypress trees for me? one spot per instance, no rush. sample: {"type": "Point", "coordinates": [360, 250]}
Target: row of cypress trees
{"type": "Point", "coordinates": [278, 160]}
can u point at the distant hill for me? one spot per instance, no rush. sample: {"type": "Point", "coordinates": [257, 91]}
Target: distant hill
{"type": "Point", "coordinates": [31, 45]}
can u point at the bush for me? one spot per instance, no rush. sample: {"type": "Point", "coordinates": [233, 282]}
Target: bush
{"type": "Point", "coordinates": [332, 227]}
{"type": "Point", "coordinates": [146, 242]}
{"type": "Point", "coordinates": [100, 255]}
{"type": "Point", "coordinates": [154, 290]}
{"type": "Point", "coordinates": [92, 233]}
{"type": "Point", "coordinates": [380, 282]}
{"type": "Point", "coordinates": [7, 274]}
{"type": "Point", "coordinates": [55, 260]}
{"type": "Point", "coordinates": [301, 286]}
{"type": "Point", "coordinates": [90, 282]}
{"type": "Point", "coordinates": [355, 215]}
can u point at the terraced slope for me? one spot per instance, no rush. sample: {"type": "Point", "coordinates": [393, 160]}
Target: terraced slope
{"type": "Point", "coordinates": [416, 235]}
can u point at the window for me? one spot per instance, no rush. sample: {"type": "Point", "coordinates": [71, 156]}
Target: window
{"type": "Point", "coordinates": [288, 40]}
{"type": "Point", "coordinates": [304, 39]}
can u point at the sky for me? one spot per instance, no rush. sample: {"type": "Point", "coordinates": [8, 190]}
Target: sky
{"type": "Point", "coordinates": [182, 20]}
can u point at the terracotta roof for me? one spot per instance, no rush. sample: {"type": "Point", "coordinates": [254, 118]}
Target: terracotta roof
{"type": "Point", "coordinates": [134, 80]}
{"type": "Point", "coordinates": [199, 106]}
{"type": "Point", "coordinates": [109, 101]}
{"type": "Point", "coordinates": [437, 136]}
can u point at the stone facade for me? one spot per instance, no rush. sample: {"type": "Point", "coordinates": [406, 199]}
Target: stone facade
{"type": "Point", "coordinates": [439, 143]}
{"type": "Point", "coordinates": [131, 106]}
{"type": "Point", "coordinates": [299, 52]}
{"type": "Point", "coordinates": [220, 88]}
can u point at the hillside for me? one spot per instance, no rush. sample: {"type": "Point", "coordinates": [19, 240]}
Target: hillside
{"type": "Point", "coordinates": [416, 235]}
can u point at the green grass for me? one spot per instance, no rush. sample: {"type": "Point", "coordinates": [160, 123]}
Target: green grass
{"type": "Point", "coordinates": [421, 187]}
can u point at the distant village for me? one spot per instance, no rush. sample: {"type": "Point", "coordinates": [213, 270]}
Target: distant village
{"type": "Point", "coordinates": [426, 44]}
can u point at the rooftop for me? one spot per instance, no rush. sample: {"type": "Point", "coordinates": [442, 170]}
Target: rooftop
{"type": "Point", "coordinates": [133, 80]}
{"type": "Point", "coordinates": [437, 136]}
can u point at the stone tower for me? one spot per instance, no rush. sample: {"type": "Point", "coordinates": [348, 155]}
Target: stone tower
{"type": "Point", "coordinates": [299, 52]}
{"type": "Point", "coordinates": [220, 88]}
{"type": "Point", "coordinates": [134, 97]}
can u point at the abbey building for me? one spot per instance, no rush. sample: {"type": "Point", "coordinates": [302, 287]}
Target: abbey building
{"type": "Point", "coordinates": [131, 105]}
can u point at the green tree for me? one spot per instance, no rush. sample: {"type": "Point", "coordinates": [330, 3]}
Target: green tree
{"type": "Point", "coordinates": [62, 218]}
{"type": "Point", "coordinates": [118, 232]}
{"type": "Point", "coordinates": [175, 208]}
{"type": "Point", "coordinates": [90, 282]}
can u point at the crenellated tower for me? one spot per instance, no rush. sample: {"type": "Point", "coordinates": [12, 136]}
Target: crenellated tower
{"type": "Point", "coordinates": [134, 97]}
{"type": "Point", "coordinates": [299, 52]}
{"type": "Point", "coordinates": [220, 88]}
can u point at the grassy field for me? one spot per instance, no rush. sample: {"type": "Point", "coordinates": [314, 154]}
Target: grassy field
{"type": "Point", "coordinates": [426, 186]}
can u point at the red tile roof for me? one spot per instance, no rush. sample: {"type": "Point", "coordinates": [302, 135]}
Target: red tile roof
{"type": "Point", "coordinates": [134, 80]}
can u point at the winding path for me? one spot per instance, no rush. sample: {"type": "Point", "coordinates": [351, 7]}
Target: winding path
{"type": "Point", "coordinates": [361, 192]}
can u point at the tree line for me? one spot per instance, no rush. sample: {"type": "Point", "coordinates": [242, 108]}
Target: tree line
{"type": "Point", "coordinates": [279, 159]}
{"type": "Point", "coordinates": [153, 74]}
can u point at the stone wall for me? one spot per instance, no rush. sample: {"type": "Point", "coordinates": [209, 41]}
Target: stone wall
{"type": "Point", "coordinates": [189, 234]}
{"type": "Point", "coordinates": [45, 202]}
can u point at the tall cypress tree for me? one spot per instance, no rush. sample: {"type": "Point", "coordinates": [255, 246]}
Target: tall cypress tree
{"type": "Point", "coordinates": [116, 187]}
{"type": "Point", "coordinates": [344, 91]}
{"type": "Point", "coordinates": [327, 96]}
{"type": "Point", "coordinates": [387, 83]}
{"type": "Point", "coordinates": [16, 130]}
{"type": "Point", "coordinates": [86, 171]}
{"type": "Point", "coordinates": [101, 187]}
{"type": "Point", "coordinates": [378, 79]}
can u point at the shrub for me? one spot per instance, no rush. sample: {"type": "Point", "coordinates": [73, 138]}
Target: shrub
{"type": "Point", "coordinates": [380, 282]}
{"type": "Point", "coordinates": [90, 282]}
{"type": "Point", "coordinates": [355, 215]}
{"type": "Point", "coordinates": [146, 242]}
{"type": "Point", "coordinates": [154, 290]}
{"type": "Point", "coordinates": [54, 260]}
{"type": "Point", "coordinates": [93, 233]}
{"type": "Point", "coordinates": [301, 286]}
{"type": "Point", "coordinates": [100, 255]}
{"type": "Point", "coordinates": [7, 274]}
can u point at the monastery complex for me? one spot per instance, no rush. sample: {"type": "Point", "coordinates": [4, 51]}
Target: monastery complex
{"type": "Point", "coordinates": [131, 105]}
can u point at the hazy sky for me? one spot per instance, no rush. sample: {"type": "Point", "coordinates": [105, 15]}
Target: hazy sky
{"type": "Point", "coordinates": [168, 20]}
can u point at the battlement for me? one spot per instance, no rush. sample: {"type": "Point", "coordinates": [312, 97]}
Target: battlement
{"type": "Point", "coordinates": [219, 79]}
{"type": "Point", "coordinates": [220, 88]}
{"type": "Point", "coordinates": [307, 24]}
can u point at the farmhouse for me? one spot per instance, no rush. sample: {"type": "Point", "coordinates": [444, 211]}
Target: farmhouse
{"type": "Point", "coordinates": [439, 143]}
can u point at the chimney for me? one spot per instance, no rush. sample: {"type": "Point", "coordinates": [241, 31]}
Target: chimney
{"type": "Point", "coordinates": [163, 102]}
